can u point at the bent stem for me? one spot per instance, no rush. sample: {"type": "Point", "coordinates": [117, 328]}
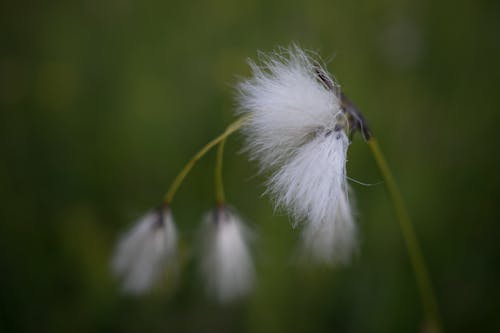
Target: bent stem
{"type": "Point", "coordinates": [220, 197]}
{"type": "Point", "coordinates": [427, 294]}
{"type": "Point", "coordinates": [233, 127]}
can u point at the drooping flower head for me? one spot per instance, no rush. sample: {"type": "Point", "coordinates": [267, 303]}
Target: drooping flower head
{"type": "Point", "coordinates": [298, 130]}
{"type": "Point", "coordinates": [226, 263]}
{"type": "Point", "coordinates": [144, 252]}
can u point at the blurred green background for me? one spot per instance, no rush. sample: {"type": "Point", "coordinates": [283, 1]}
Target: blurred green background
{"type": "Point", "coordinates": [103, 101]}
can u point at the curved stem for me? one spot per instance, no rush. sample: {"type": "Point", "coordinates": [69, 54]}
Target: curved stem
{"type": "Point", "coordinates": [427, 295]}
{"type": "Point", "coordinates": [220, 197]}
{"type": "Point", "coordinates": [233, 127]}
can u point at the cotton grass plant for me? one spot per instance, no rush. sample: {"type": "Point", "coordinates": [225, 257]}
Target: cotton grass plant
{"type": "Point", "coordinates": [297, 125]}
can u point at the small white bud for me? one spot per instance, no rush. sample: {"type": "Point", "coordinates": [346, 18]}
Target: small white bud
{"type": "Point", "coordinates": [226, 263]}
{"type": "Point", "coordinates": [143, 253]}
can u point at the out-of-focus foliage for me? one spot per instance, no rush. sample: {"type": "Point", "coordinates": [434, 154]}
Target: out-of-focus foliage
{"type": "Point", "coordinates": [102, 102]}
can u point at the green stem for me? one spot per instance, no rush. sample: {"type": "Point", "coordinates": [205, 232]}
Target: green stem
{"type": "Point", "coordinates": [220, 197]}
{"type": "Point", "coordinates": [427, 295]}
{"type": "Point", "coordinates": [191, 163]}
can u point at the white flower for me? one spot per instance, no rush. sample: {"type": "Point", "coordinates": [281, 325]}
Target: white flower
{"type": "Point", "coordinates": [226, 264]}
{"type": "Point", "coordinates": [144, 252]}
{"type": "Point", "coordinates": [297, 129]}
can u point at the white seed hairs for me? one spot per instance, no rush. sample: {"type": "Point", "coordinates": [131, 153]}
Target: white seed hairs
{"type": "Point", "coordinates": [226, 264]}
{"type": "Point", "coordinates": [144, 252]}
{"type": "Point", "coordinates": [312, 186]}
{"type": "Point", "coordinates": [297, 129]}
{"type": "Point", "coordinates": [313, 180]}
{"type": "Point", "coordinates": [287, 104]}
{"type": "Point", "coordinates": [329, 242]}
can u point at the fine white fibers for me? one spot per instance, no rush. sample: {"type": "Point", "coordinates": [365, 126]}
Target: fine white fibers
{"type": "Point", "coordinates": [286, 101]}
{"type": "Point", "coordinates": [143, 253]}
{"type": "Point", "coordinates": [313, 182]}
{"type": "Point", "coordinates": [312, 185]}
{"type": "Point", "coordinates": [296, 130]}
{"type": "Point", "coordinates": [226, 263]}
{"type": "Point", "coordinates": [332, 240]}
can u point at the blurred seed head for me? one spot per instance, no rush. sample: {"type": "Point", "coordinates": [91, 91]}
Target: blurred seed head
{"type": "Point", "coordinates": [144, 252]}
{"type": "Point", "coordinates": [226, 264]}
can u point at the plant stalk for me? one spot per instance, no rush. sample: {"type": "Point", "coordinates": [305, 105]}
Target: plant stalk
{"type": "Point", "coordinates": [426, 291]}
{"type": "Point", "coordinates": [220, 197]}
{"type": "Point", "coordinates": [233, 127]}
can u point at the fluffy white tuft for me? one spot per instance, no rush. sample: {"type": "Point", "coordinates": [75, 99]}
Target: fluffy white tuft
{"type": "Point", "coordinates": [143, 253]}
{"type": "Point", "coordinates": [313, 186]}
{"type": "Point", "coordinates": [296, 129]}
{"type": "Point", "coordinates": [332, 240]}
{"type": "Point", "coordinates": [311, 183]}
{"type": "Point", "coordinates": [287, 102]}
{"type": "Point", "coordinates": [226, 261]}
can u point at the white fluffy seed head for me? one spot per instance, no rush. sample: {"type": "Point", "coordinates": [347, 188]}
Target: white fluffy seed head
{"type": "Point", "coordinates": [143, 253]}
{"type": "Point", "coordinates": [296, 130]}
{"type": "Point", "coordinates": [287, 102]}
{"type": "Point", "coordinates": [226, 263]}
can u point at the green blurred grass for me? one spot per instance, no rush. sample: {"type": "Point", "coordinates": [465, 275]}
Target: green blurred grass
{"type": "Point", "coordinates": [102, 102]}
